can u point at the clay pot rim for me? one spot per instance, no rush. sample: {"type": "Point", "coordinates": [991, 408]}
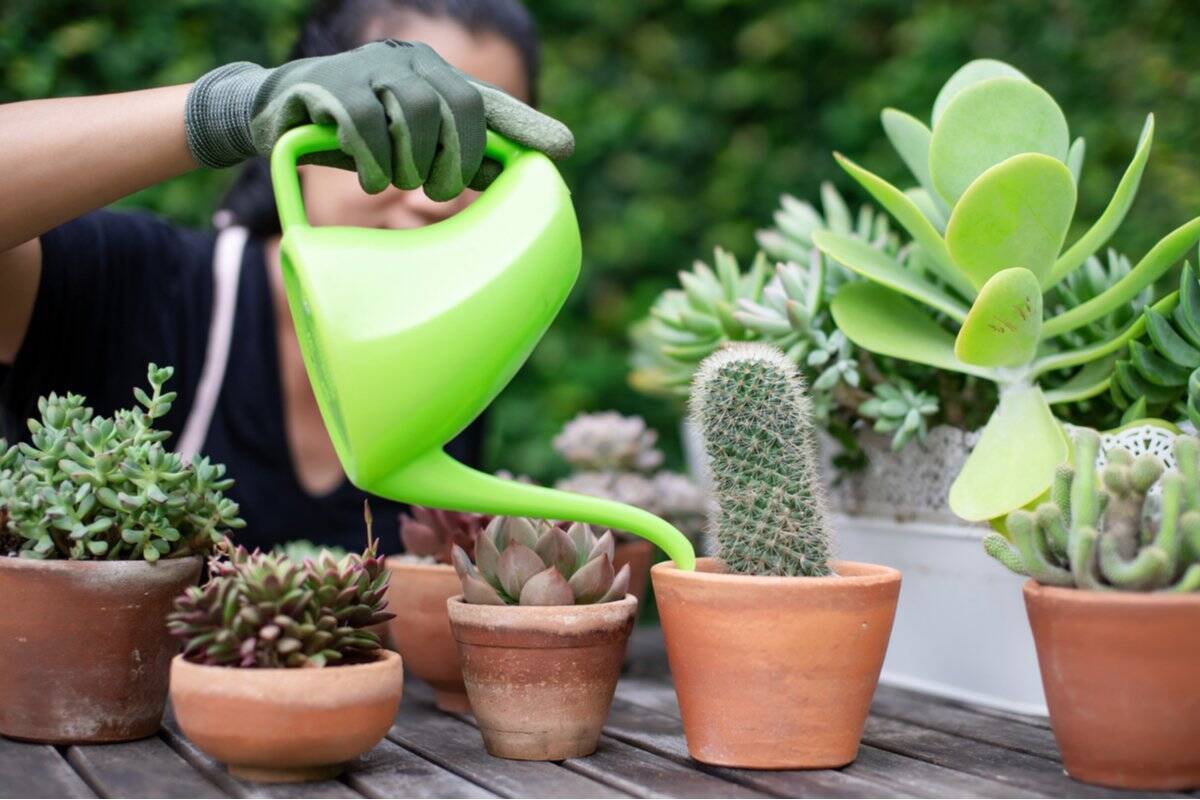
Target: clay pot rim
{"type": "Point", "coordinates": [398, 563]}
{"type": "Point", "coordinates": [1069, 594]}
{"type": "Point", "coordinates": [382, 661]}
{"type": "Point", "coordinates": [536, 612]}
{"type": "Point", "coordinates": [113, 565]}
{"type": "Point", "coordinates": [875, 574]}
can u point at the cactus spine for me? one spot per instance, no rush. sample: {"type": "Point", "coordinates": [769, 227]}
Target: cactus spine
{"type": "Point", "coordinates": [1095, 534]}
{"type": "Point", "coordinates": [751, 407]}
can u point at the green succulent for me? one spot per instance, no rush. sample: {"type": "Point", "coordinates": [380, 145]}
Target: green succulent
{"type": "Point", "coordinates": [92, 487]}
{"type": "Point", "coordinates": [752, 410]}
{"type": "Point", "coordinates": [268, 610]}
{"type": "Point", "coordinates": [527, 562]}
{"type": "Point", "coordinates": [996, 175]}
{"type": "Point", "coordinates": [1088, 282]}
{"type": "Point", "coordinates": [301, 550]}
{"type": "Point", "coordinates": [1106, 536]}
{"type": "Point", "coordinates": [900, 409]}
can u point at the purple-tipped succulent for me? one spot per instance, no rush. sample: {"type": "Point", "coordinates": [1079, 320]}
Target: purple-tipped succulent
{"type": "Point", "coordinates": [432, 533]}
{"type": "Point", "coordinates": [527, 562]}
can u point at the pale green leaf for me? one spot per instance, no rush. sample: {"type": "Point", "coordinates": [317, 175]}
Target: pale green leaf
{"type": "Point", "coordinates": [1075, 157]}
{"type": "Point", "coordinates": [911, 138]}
{"type": "Point", "coordinates": [1014, 462]}
{"type": "Point", "coordinates": [1016, 214]}
{"type": "Point", "coordinates": [989, 122]}
{"type": "Point", "coordinates": [1003, 326]}
{"type": "Point", "coordinates": [970, 73]}
{"type": "Point", "coordinates": [1071, 358]}
{"type": "Point", "coordinates": [873, 264]}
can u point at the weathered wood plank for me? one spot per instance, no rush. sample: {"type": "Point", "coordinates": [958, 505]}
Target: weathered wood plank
{"type": "Point", "coordinates": [985, 760]}
{"type": "Point", "coordinates": [662, 734]}
{"type": "Point", "coordinates": [145, 768]}
{"type": "Point", "coordinates": [922, 779]}
{"type": "Point", "coordinates": [37, 770]}
{"type": "Point", "coordinates": [947, 717]}
{"type": "Point", "coordinates": [644, 774]}
{"type": "Point", "coordinates": [391, 771]}
{"type": "Point", "coordinates": [236, 787]}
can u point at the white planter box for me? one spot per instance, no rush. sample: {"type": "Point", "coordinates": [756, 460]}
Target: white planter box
{"type": "Point", "coordinates": [961, 630]}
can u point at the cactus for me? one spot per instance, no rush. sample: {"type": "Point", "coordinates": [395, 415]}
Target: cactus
{"type": "Point", "coordinates": [266, 610]}
{"type": "Point", "coordinates": [527, 562]}
{"type": "Point", "coordinates": [1102, 535]}
{"type": "Point", "coordinates": [753, 413]}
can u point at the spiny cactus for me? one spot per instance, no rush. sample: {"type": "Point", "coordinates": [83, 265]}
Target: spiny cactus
{"type": "Point", "coordinates": [1104, 536]}
{"type": "Point", "coordinates": [266, 610]}
{"type": "Point", "coordinates": [608, 440]}
{"type": "Point", "coordinates": [527, 562]}
{"type": "Point", "coordinates": [753, 413]}
{"type": "Point", "coordinates": [430, 534]}
{"type": "Point", "coordinates": [90, 487]}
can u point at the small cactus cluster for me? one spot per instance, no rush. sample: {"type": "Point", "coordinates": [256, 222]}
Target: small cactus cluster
{"type": "Point", "coordinates": [92, 487]}
{"type": "Point", "coordinates": [753, 413]}
{"type": "Point", "coordinates": [430, 535]}
{"type": "Point", "coordinates": [265, 610]}
{"type": "Point", "coordinates": [1106, 533]}
{"type": "Point", "coordinates": [527, 562]}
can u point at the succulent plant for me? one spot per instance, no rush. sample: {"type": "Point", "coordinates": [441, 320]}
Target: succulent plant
{"type": "Point", "coordinates": [901, 409]}
{"type": "Point", "coordinates": [430, 534]}
{"type": "Point", "coordinates": [526, 562]}
{"type": "Point", "coordinates": [1105, 535]}
{"type": "Point", "coordinates": [997, 174]}
{"type": "Point", "coordinates": [1088, 282]}
{"type": "Point", "coordinates": [752, 409]}
{"type": "Point", "coordinates": [267, 610]}
{"type": "Point", "coordinates": [301, 550]}
{"type": "Point", "coordinates": [791, 237]}
{"type": "Point", "coordinates": [92, 487]}
{"type": "Point", "coordinates": [608, 441]}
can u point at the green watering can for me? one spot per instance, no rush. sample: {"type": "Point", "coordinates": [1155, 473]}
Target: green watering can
{"type": "Point", "coordinates": [408, 335]}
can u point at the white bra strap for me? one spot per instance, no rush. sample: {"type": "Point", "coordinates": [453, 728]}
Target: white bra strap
{"type": "Point", "coordinates": [227, 269]}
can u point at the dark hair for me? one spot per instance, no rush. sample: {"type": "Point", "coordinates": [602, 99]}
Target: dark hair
{"type": "Point", "coordinates": [339, 25]}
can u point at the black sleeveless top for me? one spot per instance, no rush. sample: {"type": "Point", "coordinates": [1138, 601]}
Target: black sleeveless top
{"type": "Point", "coordinates": [119, 290]}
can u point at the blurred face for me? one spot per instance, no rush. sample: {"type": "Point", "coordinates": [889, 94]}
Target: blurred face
{"type": "Point", "coordinates": [333, 196]}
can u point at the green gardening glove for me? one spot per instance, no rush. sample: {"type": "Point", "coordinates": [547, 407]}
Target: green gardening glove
{"type": "Point", "coordinates": [404, 116]}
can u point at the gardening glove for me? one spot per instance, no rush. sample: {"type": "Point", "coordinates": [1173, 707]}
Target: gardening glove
{"type": "Point", "coordinates": [403, 115]}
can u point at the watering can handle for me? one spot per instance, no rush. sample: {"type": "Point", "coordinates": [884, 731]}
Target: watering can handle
{"type": "Point", "coordinates": [307, 139]}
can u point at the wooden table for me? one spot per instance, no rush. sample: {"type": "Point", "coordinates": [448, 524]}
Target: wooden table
{"type": "Point", "coordinates": [914, 746]}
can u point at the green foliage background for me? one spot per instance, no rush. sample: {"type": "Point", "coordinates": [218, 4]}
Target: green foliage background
{"type": "Point", "coordinates": [692, 116]}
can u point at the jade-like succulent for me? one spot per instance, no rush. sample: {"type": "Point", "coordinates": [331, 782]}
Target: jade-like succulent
{"type": "Point", "coordinates": [266, 610]}
{"type": "Point", "coordinates": [753, 413]}
{"type": "Point", "coordinates": [92, 487]}
{"type": "Point", "coordinates": [996, 174]}
{"type": "Point", "coordinates": [431, 534]}
{"type": "Point", "coordinates": [527, 562]}
{"type": "Point", "coordinates": [1104, 534]}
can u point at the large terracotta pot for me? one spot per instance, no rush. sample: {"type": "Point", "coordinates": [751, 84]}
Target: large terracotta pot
{"type": "Point", "coordinates": [84, 648]}
{"type": "Point", "coordinates": [417, 595]}
{"type": "Point", "coordinates": [775, 673]}
{"type": "Point", "coordinates": [1121, 672]}
{"type": "Point", "coordinates": [541, 678]}
{"type": "Point", "coordinates": [639, 555]}
{"type": "Point", "coordinates": [286, 725]}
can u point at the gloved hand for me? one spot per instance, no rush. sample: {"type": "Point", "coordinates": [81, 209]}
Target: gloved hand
{"type": "Point", "coordinates": [403, 115]}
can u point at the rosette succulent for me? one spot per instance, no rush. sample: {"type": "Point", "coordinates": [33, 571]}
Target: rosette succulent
{"type": "Point", "coordinates": [301, 550]}
{"type": "Point", "coordinates": [93, 487]}
{"type": "Point", "coordinates": [431, 534]}
{"type": "Point", "coordinates": [607, 440]}
{"type": "Point", "coordinates": [266, 610]}
{"type": "Point", "coordinates": [526, 562]}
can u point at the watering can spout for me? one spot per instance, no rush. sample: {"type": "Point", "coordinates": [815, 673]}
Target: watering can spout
{"type": "Point", "coordinates": [437, 480]}
{"type": "Point", "coordinates": [408, 335]}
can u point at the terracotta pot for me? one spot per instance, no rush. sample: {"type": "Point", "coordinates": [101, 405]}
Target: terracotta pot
{"type": "Point", "coordinates": [541, 678]}
{"type": "Point", "coordinates": [1120, 673]}
{"type": "Point", "coordinates": [417, 595]}
{"type": "Point", "coordinates": [639, 555]}
{"type": "Point", "coordinates": [775, 673]}
{"type": "Point", "coordinates": [85, 651]}
{"type": "Point", "coordinates": [286, 725]}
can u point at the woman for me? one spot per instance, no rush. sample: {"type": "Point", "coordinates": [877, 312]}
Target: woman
{"type": "Point", "coordinates": [87, 297]}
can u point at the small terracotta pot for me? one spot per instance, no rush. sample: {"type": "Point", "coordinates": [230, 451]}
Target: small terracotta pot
{"type": "Point", "coordinates": [1120, 671]}
{"type": "Point", "coordinates": [775, 673]}
{"type": "Point", "coordinates": [639, 555]}
{"type": "Point", "coordinates": [541, 678]}
{"type": "Point", "coordinates": [286, 725]}
{"type": "Point", "coordinates": [417, 595]}
{"type": "Point", "coordinates": [84, 648]}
